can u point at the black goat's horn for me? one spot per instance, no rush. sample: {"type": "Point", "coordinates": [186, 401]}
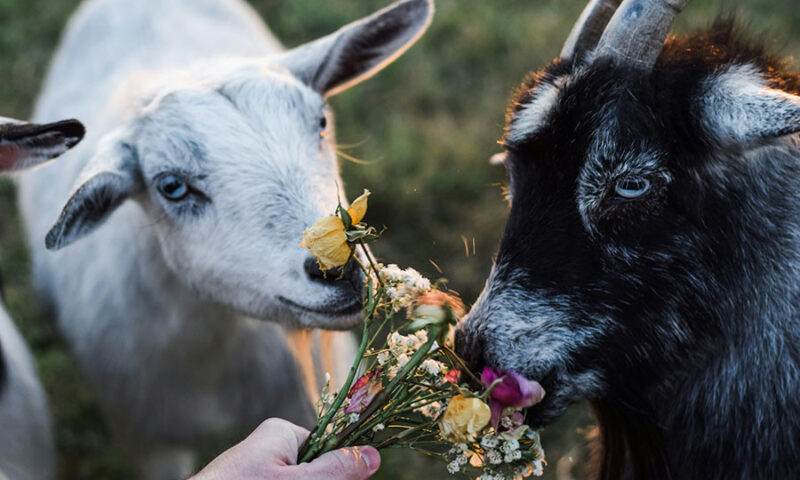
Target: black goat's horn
{"type": "Point", "coordinates": [636, 33]}
{"type": "Point", "coordinates": [589, 28]}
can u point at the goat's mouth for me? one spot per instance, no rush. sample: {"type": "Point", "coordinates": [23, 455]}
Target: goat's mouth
{"type": "Point", "coordinates": [332, 309]}
{"type": "Point", "coordinates": [561, 393]}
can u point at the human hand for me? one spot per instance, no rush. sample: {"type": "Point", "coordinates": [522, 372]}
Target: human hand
{"type": "Point", "coordinates": [270, 452]}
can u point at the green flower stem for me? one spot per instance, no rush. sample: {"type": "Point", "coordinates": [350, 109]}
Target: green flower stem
{"type": "Point", "coordinates": [386, 393]}
{"type": "Point", "coordinates": [380, 327]}
{"type": "Point", "coordinates": [368, 425]}
{"type": "Point", "coordinates": [371, 262]}
{"type": "Point", "coordinates": [400, 436]}
{"type": "Point", "coordinates": [309, 451]}
{"type": "Point", "coordinates": [404, 407]}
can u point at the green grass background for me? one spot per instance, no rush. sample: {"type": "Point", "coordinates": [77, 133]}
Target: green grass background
{"type": "Point", "coordinates": [426, 125]}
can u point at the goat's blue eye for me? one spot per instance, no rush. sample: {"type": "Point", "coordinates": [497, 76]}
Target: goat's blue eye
{"type": "Point", "coordinates": [173, 188]}
{"type": "Point", "coordinates": [632, 187]}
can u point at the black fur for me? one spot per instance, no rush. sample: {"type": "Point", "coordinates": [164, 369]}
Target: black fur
{"type": "Point", "coordinates": [698, 351]}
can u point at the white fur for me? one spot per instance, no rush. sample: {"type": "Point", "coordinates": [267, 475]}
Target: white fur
{"type": "Point", "coordinates": [533, 116]}
{"type": "Point", "coordinates": [159, 303]}
{"type": "Point", "coordinates": [739, 107]}
{"type": "Point", "coordinates": [26, 441]}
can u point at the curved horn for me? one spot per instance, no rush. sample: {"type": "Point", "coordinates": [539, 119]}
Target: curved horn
{"type": "Point", "coordinates": [589, 28]}
{"type": "Point", "coordinates": [637, 31]}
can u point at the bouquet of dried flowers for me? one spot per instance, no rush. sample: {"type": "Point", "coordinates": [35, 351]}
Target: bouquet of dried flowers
{"type": "Point", "coordinates": [407, 388]}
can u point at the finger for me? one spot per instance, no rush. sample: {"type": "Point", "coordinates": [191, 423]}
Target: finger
{"type": "Point", "coordinates": [279, 439]}
{"type": "Point", "coordinates": [278, 427]}
{"type": "Point", "coordinates": [356, 463]}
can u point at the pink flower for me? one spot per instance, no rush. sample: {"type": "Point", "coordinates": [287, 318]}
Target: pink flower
{"type": "Point", "coordinates": [364, 391]}
{"type": "Point", "coordinates": [514, 391]}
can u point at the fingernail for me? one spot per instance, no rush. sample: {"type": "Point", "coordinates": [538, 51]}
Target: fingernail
{"type": "Point", "coordinates": [371, 457]}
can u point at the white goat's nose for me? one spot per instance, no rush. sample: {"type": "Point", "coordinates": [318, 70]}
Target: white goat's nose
{"type": "Point", "coordinates": [351, 275]}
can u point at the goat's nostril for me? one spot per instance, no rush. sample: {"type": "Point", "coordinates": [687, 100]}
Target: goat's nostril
{"type": "Point", "coordinates": [352, 274]}
{"type": "Point", "coordinates": [314, 271]}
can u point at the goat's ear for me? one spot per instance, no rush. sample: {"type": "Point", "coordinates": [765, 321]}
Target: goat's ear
{"type": "Point", "coordinates": [108, 179]}
{"type": "Point", "coordinates": [24, 145]}
{"type": "Point", "coordinates": [740, 107]}
{"type": "Point", "coordinates": [359, 50]}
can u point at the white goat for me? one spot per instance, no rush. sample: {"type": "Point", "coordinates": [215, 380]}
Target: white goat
{"type": "Point", "coordinates": [219, 139]}
{"type": "Point", "coordinates": [26, 439]}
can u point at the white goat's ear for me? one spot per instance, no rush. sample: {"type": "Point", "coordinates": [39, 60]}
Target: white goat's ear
{"type": "Point", "coordinates": [24, 145]}
{"type": "Point", "coordinates": [108, 179]}
{"type": "Point", "coordinates": [361, 49]}
{"type": "Point", "coordinates": [738, 107]}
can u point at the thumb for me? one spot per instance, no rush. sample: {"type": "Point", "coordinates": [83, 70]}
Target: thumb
{"type": "Point", "coordinates": [356, 463]}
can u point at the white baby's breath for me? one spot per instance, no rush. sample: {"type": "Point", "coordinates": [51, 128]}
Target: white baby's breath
{"type": "Point", "coordinates": [431, 410]}
{"type": "Point", "coordinates": [510, 446]}
{"type": "Point", "coordinates": [432, 367]}
{"type": "Point", "coordinates": [453, 467]}
{"type": "Point", "coordinates": [403, 286]}
{"type": "Point", "coordinates": [402, 360]}
{"type": "Point", "coordinates": [489, 441]}
{"type": "Point", "coordinates": [382, 358]}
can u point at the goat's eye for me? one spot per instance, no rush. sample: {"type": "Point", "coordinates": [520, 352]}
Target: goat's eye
{"type": "Point", "coordinates": [173, 188]}
{"type": "Point", "coordinates": [632, 187]}
{"type": "Point", "coordinates": [323, 126]}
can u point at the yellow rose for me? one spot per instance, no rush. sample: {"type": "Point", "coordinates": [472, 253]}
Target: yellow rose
{"type": "Point", "coordinates": [326, 239]}
{"type": "Point", "coordinates": [327, 242]}
{"type": "Point", "coordinates": [359, 208]}
{"type": "Point", "coordinates": [463, 418]}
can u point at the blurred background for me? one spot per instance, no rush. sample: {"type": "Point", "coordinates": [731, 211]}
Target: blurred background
{"type": "Point", "coordinates": [424, 128]}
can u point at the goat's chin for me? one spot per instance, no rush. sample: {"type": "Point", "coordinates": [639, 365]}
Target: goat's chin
{"type": "Point", "coordinates": [560, 394]}
{"type": "Point", "coordinates": [296, 315]}
{"type": "Point", "coordinates": [548, 411]}
{"type": "Point", "coordinates": [343, 322]}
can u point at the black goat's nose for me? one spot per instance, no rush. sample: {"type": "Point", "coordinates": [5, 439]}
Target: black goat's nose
{"type": "Point", "coordinates": [470, 347]}
{"type": "Point", "coordinates": [351, 274]}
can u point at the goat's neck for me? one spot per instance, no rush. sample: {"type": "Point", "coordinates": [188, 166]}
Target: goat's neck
{"type": "Point", "coordinates": [737, 410]}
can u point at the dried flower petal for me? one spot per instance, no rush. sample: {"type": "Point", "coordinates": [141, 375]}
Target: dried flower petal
{"type": "Point", "coordinates": [364, 391]}
{"type": "Point", "coordinates": [358, 208]}
{"type": "Point", "coordinates": [463, 418]}
{"type": "Point", "coordinates": [327, 242]}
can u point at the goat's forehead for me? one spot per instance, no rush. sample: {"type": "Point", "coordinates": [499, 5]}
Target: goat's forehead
{"type": "Point", "coordinates": [250, 113]}
{"type": "Point", "coordinates": [585, 114]}
{"type": "Point", "coordinates": [259, 98]}
{"type": "Point", "coordinates": [577, 102]}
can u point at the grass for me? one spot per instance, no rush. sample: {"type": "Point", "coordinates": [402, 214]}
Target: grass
{"type": "Point", "coordinates": [426, 127]}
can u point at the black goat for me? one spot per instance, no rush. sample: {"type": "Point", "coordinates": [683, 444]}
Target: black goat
{"type": "Point", "coordinates": [651, 259]}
